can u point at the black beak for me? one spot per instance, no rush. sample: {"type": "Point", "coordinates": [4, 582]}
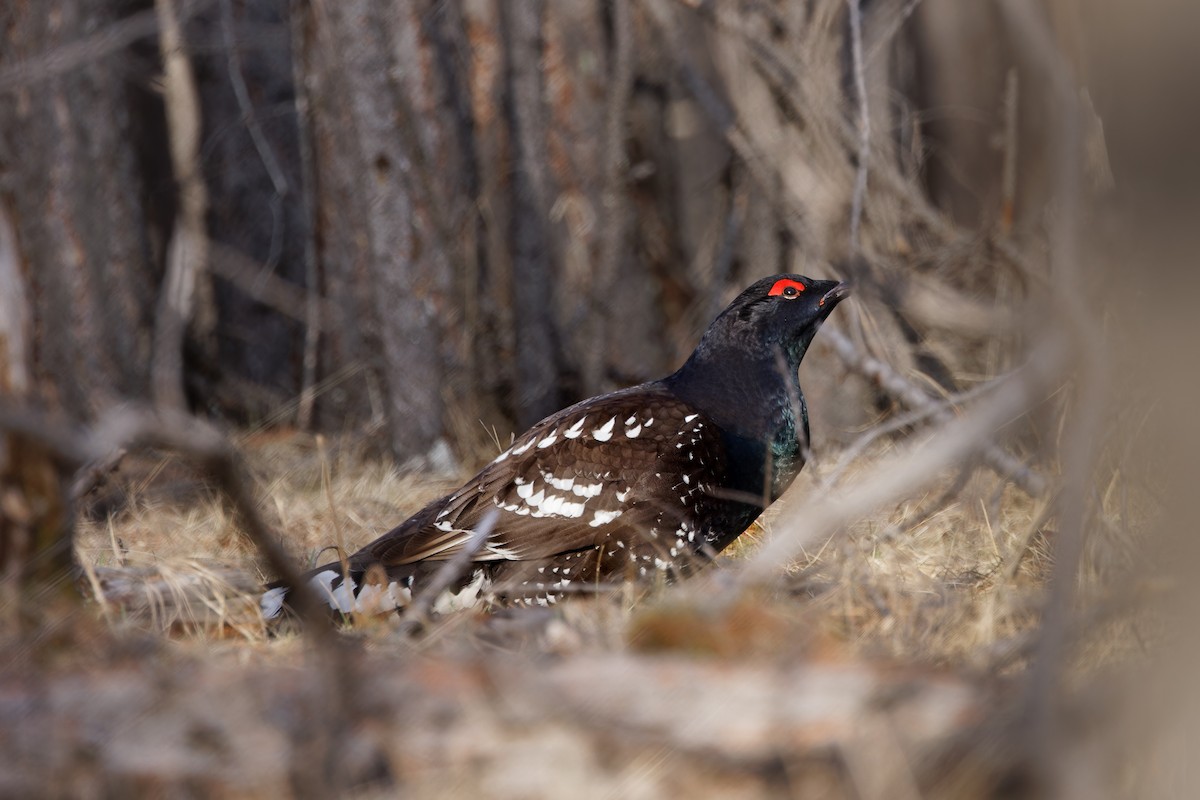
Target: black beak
{"type": "Point", "coordinates": [835, 296]}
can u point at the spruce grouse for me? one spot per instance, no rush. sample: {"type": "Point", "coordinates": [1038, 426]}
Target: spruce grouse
{"type": "Point", "coordinates": [645, 483]}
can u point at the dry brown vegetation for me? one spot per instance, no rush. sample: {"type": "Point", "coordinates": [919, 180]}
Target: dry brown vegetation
{"type": "Point", "coordinates": [887, 662]}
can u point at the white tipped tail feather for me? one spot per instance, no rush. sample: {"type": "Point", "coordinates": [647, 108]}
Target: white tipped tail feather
{"type": "Point", "coordinates": [372, 598]}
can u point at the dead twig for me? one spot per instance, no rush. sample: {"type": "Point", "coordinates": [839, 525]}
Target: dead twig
{"type": "Point", "coordinates": [864, 125]}
{"type": "Point", "coordinates": [906, 472]}
{"type": "Point", "coordinates": [1044, 735]}
{"type": "Point", "coordinates": [93, 474]}
{"type": "Point", "coordinates": [299, 15]}
{"type": "Point", "coordinates": [417, 613]}
{"type": "Point", "coordinates": [29, 74]}
{"type": "Point", "coordinates": [187, 253]}
{"type": "Point", "coordinates": [129, 428]}
{"type": "Point", "coordinates": [912, 396]}
{"type": "Point", "coordinates": [614, 208]}
{"type": "Point", "coordinates": [242, 94]}
{"type": "Point", "coordinates": [899, 422]}
{"type": "Point", "coordinates": [1008, 180]}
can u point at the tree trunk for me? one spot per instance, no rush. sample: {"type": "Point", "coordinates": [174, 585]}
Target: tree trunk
{"type": "Point", "coordinates": [257, 216]}
{"type": "Point", "coordinates": [75, 145]}
{"type": "Point", "coordinates": [386, 272]}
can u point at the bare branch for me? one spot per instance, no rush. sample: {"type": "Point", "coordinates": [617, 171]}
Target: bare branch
{"type": "Point", "coordinates": [1008, 182]}
{"type": "Point", "coordinates": [298, 13]}
{"type": "Point", "coordinates": [912, 396]}
{"type": "Point", "coordinates": [615, 207]}
{"type": "Point", "coordinates": [130, 428]}
{"type": "Point", "coordinates": [1030, 27]}
{"type": "Point", "coordinates": [242, 93]}
{"type": "Point", "coordinates": [903, 474]}
{"type": "Point", "coordinates": [77, 55]}
{"type": "Point", "coordinates": [418, 610]}
{"type": "Point", "coordinates": [864, 125]}
{"type": "Point", "coordinates": [187, 254]}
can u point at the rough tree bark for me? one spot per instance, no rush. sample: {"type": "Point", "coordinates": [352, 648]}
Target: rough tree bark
{"type": "Point", "coordinates": [257, 218]}
{"type": "Point", "coordinates": [386, 274]}
{"type": "Point", "coordinates": [496, 231]}
{"type": "Point", "coordinates": [76, 146]}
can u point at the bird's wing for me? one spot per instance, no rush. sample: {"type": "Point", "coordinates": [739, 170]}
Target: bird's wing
{"type": "Point", "coordinates": [566, 484]}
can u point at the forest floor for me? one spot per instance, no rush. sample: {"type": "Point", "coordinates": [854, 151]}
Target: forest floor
{"type": "Point", "coordinates": [891, 663]}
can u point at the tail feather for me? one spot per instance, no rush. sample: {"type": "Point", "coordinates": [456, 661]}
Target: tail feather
{"type": "Point", "coordinates": [344, 593]}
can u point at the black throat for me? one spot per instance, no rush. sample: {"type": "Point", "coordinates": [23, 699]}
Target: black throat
{"type": "Point", "coordinates": [754, 397]}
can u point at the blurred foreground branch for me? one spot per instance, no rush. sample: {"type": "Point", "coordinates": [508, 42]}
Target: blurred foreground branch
{"type": "Point", "coordinates": [1045, 735]}
{"type": "Point", "coordinates": [904, 473]}
{"type": "Point", "coordinates": [184, 290]}
{"type": "Point", "coordinates": [127, 429]}
{"type": "Point", "coordinates": [910, 395]}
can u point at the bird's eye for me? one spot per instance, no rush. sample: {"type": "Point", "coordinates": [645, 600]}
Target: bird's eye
{"type": "Point", "coordinates": [786, 287]}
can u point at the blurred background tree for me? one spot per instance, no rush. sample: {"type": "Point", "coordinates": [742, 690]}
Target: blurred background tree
{"type": "Point", "coordinates": [421, 214]}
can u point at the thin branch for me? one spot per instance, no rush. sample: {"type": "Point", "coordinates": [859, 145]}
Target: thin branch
{"type": "Point", "coordinates": [283, 296]}
{"type": "Point", "coordinates": [187, 253]}
{"type": "Point", "coordinates": [776, 68]}
{"type": "Point", "coordinates": [936, 406]}
{"type": "Point", "coordinates": [864, 125]}
{"type": "Point", "coordinates": [266, 153]}
{"type": "Point", "coordinates": [613, 201]}
{"type": "Point", "coordinates": [417, 613]}
{"type": "Point", "coordinates": [1008, 178]}
{"type": "Point", "coordinates": [95, 473]}
{"type": "Point", "coordinates": [882, 42]}
{"type": "Point", "coordinates": [130, 428]}
{"type": "Point", "coordinates": [84, 52]}
{"type": "Point", "coordinates": [242, 93]}
{"type": "Point", "coordinates": [1078, 452]}
{"type": "Point", "coordinates": [905, 473]}
{"type": "Point", "coordinates": [912, 396]}
{"type": "Point", "coordinates": [299, 16]}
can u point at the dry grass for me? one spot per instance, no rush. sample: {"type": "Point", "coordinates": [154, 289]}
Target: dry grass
{"type": "Point", "coordinates": [865, 667]}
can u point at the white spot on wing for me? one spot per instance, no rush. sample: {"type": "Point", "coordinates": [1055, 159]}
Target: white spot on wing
{"type": "Point", "coordinates": [632, 419]}
{"type": "Point", "coordinates": [690, 417]}
{"type": "Point", "coordinates": [562, 484]}
{"type": "Point", "coordinates": [554, 505]}
{"type": "Point", "coordinates": [632, 433]}
{"type": "Point", "coordinates": [549, 440]}
{"type": "Point", "coordinates": [603, 518]}
{"type": "Point", "coordinates": [604, 433]}
{"type": "Point", "coordinates": [575, 430]}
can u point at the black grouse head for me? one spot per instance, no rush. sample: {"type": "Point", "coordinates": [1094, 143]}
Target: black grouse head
{"type": "Point", "coordinates": [777, 315]}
